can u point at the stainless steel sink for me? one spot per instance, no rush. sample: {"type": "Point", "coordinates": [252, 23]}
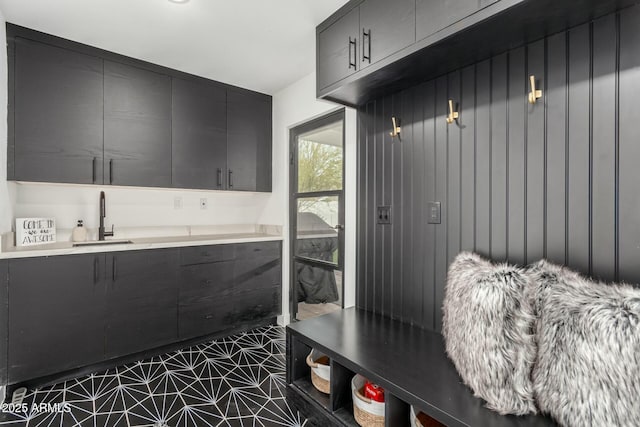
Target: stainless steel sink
{"type": "Point", "coordinates": [102, 243]}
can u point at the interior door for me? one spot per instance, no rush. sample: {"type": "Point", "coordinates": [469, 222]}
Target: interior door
{"type": "Point", "coordinates": [317, 216]}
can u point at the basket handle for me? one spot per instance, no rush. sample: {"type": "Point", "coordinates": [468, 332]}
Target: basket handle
{"type": "Point", "coordinates": [310, 363]}
{"type": "Point", "coordinates": [364, 399]}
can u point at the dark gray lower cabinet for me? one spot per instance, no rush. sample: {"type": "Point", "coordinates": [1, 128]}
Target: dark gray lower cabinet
{"type": "Point", "coordinates": [219, 295]}
{"type": "Point", "coordinates": [56, 314]}
{"type": "Point", "coordinates": [72, 311]}
{"type": "Point", "coordinates": [141, 299]}
{"type": "Point", "coordinates": [4, 317]}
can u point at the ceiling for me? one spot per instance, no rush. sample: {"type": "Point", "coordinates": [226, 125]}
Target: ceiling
{"type": "Point", "coordinates": [263, 45]}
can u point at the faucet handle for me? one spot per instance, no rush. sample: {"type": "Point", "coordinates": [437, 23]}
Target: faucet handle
{"type": "Point", "coordinates": [109, 233]}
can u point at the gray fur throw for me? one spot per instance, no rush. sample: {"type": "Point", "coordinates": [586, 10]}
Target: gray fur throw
{"type": "Point", "coordinates": [587, 371]}
{"type": "Point", "coordinates": [487, 326]}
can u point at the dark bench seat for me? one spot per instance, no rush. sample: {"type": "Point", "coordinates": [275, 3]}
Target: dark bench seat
{"type": "Point", "coordinates": [408, 362]}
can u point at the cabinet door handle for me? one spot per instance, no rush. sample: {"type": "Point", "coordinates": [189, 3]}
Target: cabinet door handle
{"type": "Point", "coordinates": [94, 169]}
{"type": "Point", "coordinates": [230, 178]}
{"type": "Point", "coordinates": [111, 171]}
{"type": "Point", "coordinates": [366, 35]}
{"type": "Point", "coordinates": [219, 177]}
{"type": "Point", "coordinates": [114, 269]}
{"type": "Point", "coordinates": [352, 42]}
{"type": "Point", "coordinates": [96, 272]}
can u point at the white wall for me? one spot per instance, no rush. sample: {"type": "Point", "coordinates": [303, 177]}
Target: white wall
{"type": "Point", "coordinates": [292, 106]}
{"type": "Point", "coordinates": [7, 190]}
{"type": "Point", "coordinates": [136, 207]}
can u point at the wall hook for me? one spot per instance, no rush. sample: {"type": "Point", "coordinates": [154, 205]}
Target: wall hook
{"type": "Point", "coordinates": [453, 115]}
{"type": "Point", "coordinates": [534, 95]}
{"type": "Point", "coordinates": [396, 128]}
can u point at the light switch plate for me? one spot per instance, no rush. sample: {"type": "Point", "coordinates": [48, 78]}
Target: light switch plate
{"type": "Point", "coordinates": [433, 212]}
{"type": "Point", "coordinates": [383, 215]}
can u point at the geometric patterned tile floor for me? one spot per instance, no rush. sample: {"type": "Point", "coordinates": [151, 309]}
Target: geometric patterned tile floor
{"type": "Point", "coordinates": [233, 381]}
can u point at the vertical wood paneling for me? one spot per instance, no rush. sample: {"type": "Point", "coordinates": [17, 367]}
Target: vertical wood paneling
{"type": "Point", "coordinates": [515, 182]}
{"type": "Point", "coordinates": [556, 159]}
{"type": "Point", "coordinates": [441, 168]}
{"type": "Point", "coordinates": [483, 157]}
{"type": "Point", "coordinates": [453, 172]}
{"type": "Point", "coordinates": [516, 141]}
{"type": "Point", "coordinates": [499, 150]}
{"type": "Point", "coordinates": [467, 160]}
{"type": "Point", "coordinates": [397, 286]}
{"type": "Point", "coordinates": [535, 157]}
{"type": "Point", "coordinates": [578, 162]}
{"type": "Point", "coordinates": [629, 191]}
{"type": "Point", "coordinates": [430, 118]}
{"type": "Point", "coordinates": [603, 146]}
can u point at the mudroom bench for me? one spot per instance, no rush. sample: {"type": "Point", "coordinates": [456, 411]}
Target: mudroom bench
{"type": "Point", "coordinates": [408, 362]}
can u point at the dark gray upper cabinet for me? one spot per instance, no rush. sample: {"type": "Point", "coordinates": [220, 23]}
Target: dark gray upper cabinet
{"type": "Point", "coordinates": [432, 16]}
{"type": "Point", "coordinates": [386, 28]}
{"type": "Point", "coordinates": [249, 139]}
{"type": "Point", "coordinates": [56, 315]}
{"type": "Point", "coordinates": [199, 129]}
{"type": "Point", "coordinates": [338, 48]}
{"type": "Point", "coordinates": [57, 106]}
{"type": "Point", "coordinates": [141, 300]}
{"type": "Point", "coordinates": [137, 126]}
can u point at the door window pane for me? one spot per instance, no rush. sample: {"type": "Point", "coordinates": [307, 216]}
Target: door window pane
{"type": "Point", "coordinates": [316, 236]}
{"type": "Point", "coordinates": [320, 159]}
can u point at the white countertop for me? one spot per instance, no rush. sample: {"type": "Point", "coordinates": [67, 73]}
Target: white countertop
{"type": "Point", "coordinates": [142, 243]}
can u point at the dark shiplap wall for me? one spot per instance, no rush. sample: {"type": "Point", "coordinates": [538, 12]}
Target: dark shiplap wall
{"type": "Point", "coordinates": [560, 179]}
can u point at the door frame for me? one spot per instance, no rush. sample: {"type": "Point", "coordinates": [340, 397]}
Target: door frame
{"type": "Point", "coordinates": [294, 133]}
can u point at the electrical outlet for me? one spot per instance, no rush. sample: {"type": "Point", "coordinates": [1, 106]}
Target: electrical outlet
{"type": "Point", "coordinates": [177, 203]}
{"type": "Point", "coordinates": [203, 203]}
{"type": "Point", "coordinates": [384, 215]}
{"type": "Point", "coordinates": [433, 212]}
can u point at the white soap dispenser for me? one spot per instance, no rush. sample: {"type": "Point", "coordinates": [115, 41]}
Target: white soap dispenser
{"type": "Point", "coordinates": [79, 233]}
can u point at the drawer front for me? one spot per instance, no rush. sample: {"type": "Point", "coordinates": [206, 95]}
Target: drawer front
{"type": "Point", "coordinates": [208, 315]}
{"type": "Point", "coordinates": [258, 249]}
{"type": "Point", "coordinates": [207, 254]}
{"type": "Point", "coordinates": [207, 278]}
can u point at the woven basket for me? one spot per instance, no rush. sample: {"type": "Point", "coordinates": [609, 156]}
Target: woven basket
{"type": "Point", "coordinates": [366, 412]}
{"type": "Point", "coordinates": [320, 372]}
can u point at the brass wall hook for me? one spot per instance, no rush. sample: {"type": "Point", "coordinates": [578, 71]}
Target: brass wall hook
{"type": "Point", "coordinates": [396, 128]}
{"type": "Point", "coordinates": [534, 95]}
{"type": "Point", "coordinates": [453, 115]}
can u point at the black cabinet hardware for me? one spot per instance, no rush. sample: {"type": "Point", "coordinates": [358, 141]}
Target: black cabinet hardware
{"type": "Point", "coordinates": [114, 269]}
{"type": "Point", "coordinates": [353, 45]}
{"type": "Point", "coordinates": [94, 165]}
{"type": "Point", "coordinates": [366, 41]}
{"type": "Point", "coordinates": [111, 171]}
{"type": "Point", "coordinates": [230, 178]}
{"type": "Point", "coordinates": [96, 270]}
{"type": "Point", "coordinates": [219, 177]}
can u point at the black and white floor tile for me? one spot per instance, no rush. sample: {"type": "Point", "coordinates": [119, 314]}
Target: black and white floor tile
{"type": "Point", "coordinates": [234, 381]}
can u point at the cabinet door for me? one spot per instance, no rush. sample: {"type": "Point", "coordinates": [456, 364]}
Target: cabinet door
{"type": "Point", "coordinates": [4, 319]}
{"type": "Point", "coordinates": [338, 48]}
{"type": "Point", "coordinates": [199, 129]}
{"type": "Point", "coordinates": [142, 301]}
{"type": "Point", "coordinates": [137, 126]}
{"type": "Point", "coordinates": [386, 28]}
{"type": "Point", "coordinates": [56, 316]}
{"type": "Point", "coordinates": [257, 283]}
{"type": "Point", "coordinates": [58, 112]}
{"type": "Point", "coordinates": [432, 16]}
{"type": "Point", "coordinates": [248, 141]}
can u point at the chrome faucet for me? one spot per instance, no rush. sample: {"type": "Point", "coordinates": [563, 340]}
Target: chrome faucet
{"type": "Point", "coordinates": [103, 213]}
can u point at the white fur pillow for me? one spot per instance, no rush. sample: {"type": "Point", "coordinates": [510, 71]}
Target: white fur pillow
{"type": "Point", "coordinates": [588, 367]}
{"type": "Point", "coordinates": [487, 326]}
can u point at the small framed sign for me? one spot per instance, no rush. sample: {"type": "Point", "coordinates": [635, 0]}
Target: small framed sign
{"type": "Point", "coordinates": [35, 231]}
